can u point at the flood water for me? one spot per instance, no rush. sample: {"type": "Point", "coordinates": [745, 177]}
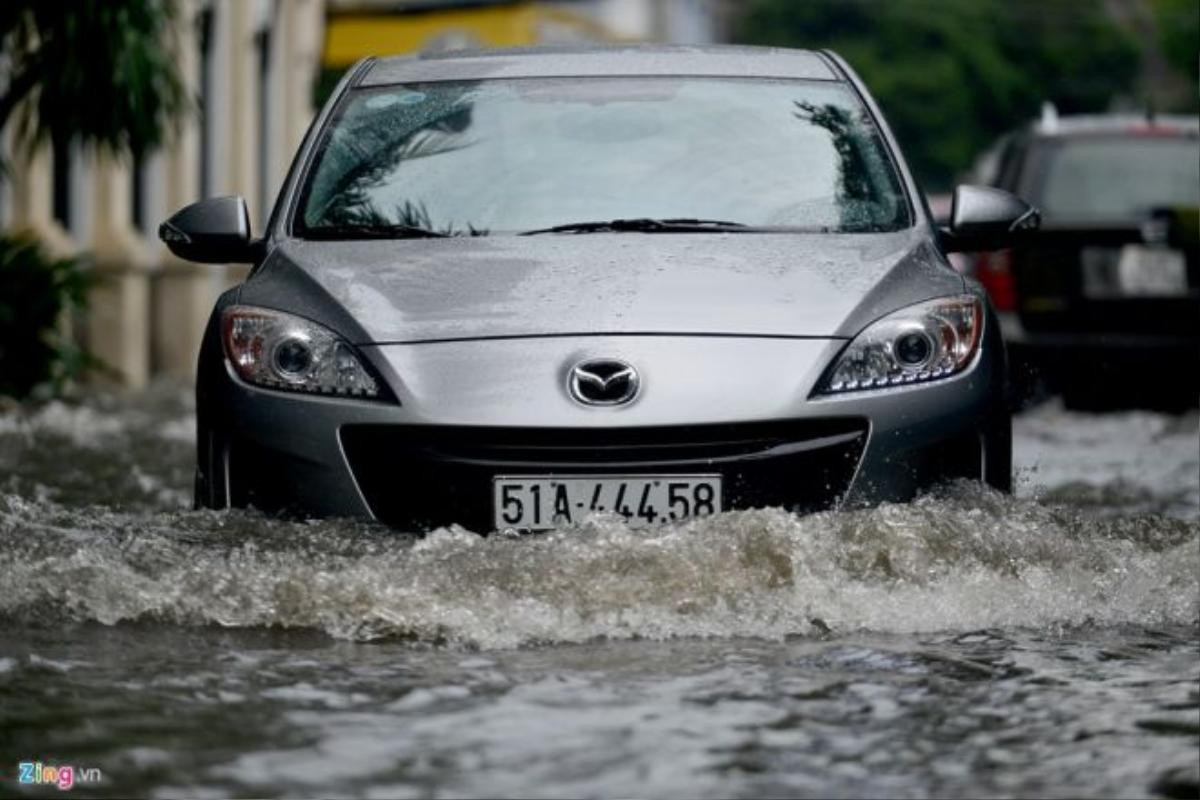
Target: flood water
{"type": "Point", "coordinates": [1046, 644]}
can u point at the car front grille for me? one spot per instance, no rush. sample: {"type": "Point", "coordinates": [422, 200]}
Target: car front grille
{"type": "Point", "coordinates": [420, 477]}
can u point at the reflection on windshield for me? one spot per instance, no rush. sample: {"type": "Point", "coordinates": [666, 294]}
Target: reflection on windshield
{"type": "Point", "coordinates": [466, 158]}
{"type": "Point", "coordinates": [367, 148]}
{"type": "Point", "coordinates": [859, 168]}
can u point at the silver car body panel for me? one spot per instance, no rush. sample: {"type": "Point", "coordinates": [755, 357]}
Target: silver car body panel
{"type": "Point", "coordinates": [305, 429]}
{"type": "Point", "coordinates": [480, 332]}
{"type": "Point", "coordinates": [791, 285]}
{"type": "Point", "coordinates": [685, 379]}
{"type": "Point", "coordinates": [576, 62]}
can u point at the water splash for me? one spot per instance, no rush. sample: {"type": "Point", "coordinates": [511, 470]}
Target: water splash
{"type": "Point", "coordinates": [962, 559]}
{"type": "Point", "coordinates": [129, 451]}
{"type": "Point", "coordinates": [92, 528]}
{"type": "Point", "coordinates": [219, 676]}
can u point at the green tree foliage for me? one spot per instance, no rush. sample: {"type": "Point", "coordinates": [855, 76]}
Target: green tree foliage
{"type": "Point", "coordinates": [97, 72]}
{"type": "Point", "coordinates": [35, 292]}
{"type": "Point", "coordinates": [951, 76]}
{"type": "Point", "coordinates": [1178, 24]}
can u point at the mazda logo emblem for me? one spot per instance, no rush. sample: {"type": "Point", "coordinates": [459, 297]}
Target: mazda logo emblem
{"type": "Point", "coordinates": [603, 382]}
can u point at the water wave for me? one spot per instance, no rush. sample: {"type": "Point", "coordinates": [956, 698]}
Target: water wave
{"type": "Point", "coordinates": [960, 559]}
{"type": "Point", "coordinates": [93, 529]}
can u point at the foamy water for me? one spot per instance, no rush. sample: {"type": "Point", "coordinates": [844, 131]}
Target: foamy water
{"type": "Point", "coordinates": [965, 558]}
{"type": "Point", "coordinates": [965, 643]}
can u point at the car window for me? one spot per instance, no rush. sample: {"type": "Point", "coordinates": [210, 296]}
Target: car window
{"type": "Point", "coordinates": [1117, 178]}
{"type": "Point", "coordinates": [989, 165]}
{"type": "Point", "coordinates": [1011, 161]}
{"type": "Point", "coordinates": [514, 155]}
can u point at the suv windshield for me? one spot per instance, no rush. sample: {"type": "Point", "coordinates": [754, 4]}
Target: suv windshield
{"type": "Point", "coordinates": [508, 156]}
{"type": "Point", "coordinates": [1110, 178]}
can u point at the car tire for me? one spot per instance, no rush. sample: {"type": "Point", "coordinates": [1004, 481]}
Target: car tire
{"type": "Point", "coordinates": [211, 485]}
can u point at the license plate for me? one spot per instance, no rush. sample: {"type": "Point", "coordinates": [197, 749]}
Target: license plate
{"type": "Point", "coordinates": [538, 502]}
{"type": "Point", "coordinates": [1151, 271]}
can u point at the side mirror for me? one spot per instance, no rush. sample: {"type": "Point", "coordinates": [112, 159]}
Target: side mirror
{"type": "Point", "coordinates": [212, 231]}
{"type": "Point", "coordinates": [984, 218]}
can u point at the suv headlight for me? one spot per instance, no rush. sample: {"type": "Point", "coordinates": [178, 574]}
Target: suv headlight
{"type": "Point", "coordinates": [282, 351]}
{"type": "Point", "coordinates": [923, 342]}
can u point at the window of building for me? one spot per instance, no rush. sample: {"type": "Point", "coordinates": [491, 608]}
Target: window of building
{"type": "Point", "coordinates": [137, 193]}
{"type": "Point", "coordinates": [61, 190]}
{"type": "Point", "coordinates": [205, 31]}
{"type": "Point", "coordinates": [263, 41]}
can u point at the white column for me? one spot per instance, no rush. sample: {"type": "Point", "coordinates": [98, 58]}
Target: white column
{"type": "Point", "coordinates": [32, 195]}
{"type": "Point", "coordinates": [118, 328]}
{"type": "Point", "coordinates": [184, 292]}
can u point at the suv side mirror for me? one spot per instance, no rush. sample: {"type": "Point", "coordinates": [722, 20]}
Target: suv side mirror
{"type": "Point", "coordinates": [212, 231]}
{"type": "Point", "coordinates": [984, 218]}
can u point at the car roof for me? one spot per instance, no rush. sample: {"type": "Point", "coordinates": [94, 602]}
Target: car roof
{"type": "Point", "coordinates": [599, 61]}
{"type": "Point", "coordinates": [1109, 124]}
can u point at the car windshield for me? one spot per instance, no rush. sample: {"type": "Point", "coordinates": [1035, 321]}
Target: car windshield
{"type": "Point", "coordinates": [510, 156]}
{"type": "Point", "coordinates": [1118, 178]}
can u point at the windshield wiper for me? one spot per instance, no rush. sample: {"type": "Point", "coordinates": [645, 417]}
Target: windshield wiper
{"type": "Point", "coordinates": [672, 225]}
{"type": "Point", "coordinates": [372, 232]}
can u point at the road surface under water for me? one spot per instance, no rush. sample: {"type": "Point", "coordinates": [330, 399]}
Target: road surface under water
{"type": "Point", "coordinates": [967, 643]}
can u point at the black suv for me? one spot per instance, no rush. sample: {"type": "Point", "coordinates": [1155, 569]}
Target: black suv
{"type": "Point", "coordinates": [1104, 303]}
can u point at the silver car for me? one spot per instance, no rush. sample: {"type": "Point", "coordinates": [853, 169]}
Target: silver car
{"type": "Point", "coordinates": [512, 289]}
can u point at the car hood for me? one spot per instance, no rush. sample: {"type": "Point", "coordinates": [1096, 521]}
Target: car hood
{"type": "Point", "coordinates": [788, 285]}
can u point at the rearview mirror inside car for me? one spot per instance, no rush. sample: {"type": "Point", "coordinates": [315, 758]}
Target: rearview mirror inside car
{"type": "Point", "coordinates": [212, 231]}
{"type": "Point", "coordinates": [985, 218]}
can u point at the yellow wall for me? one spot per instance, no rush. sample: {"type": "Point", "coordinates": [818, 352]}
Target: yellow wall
{"type": "Point", "coordinates": [350, 37]}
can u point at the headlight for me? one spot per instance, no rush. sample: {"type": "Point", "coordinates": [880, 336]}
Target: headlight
{"type": "Point", "coordinates": [920, 343]}
{"type": "Point", "coordinates": [282, 351]}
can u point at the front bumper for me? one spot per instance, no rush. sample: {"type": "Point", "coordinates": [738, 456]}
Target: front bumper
{"type": "Point", "coordinates": [316, 456]}
{"type": "Point", "coordinates": [426, 477]}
